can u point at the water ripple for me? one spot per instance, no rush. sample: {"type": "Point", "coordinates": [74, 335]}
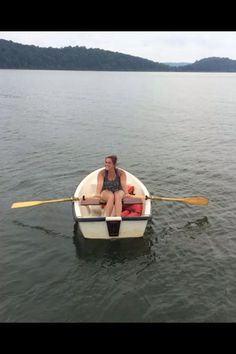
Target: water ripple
{"type": "Point", "coordinates": [174, 132]}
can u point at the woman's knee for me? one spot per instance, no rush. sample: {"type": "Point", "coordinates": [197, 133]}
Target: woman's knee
{"type": "Point", "coordinates": [111, 197]}
{"type": "Point", "coordinates": [108, 196]}
{"type": "Point", "coordinates": [119, 195]}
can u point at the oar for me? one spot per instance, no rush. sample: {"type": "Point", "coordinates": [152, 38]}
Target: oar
{"type": "Point", "coordinates": [40, 202]}
{"type": "Point", "coordinates": [188, 200]}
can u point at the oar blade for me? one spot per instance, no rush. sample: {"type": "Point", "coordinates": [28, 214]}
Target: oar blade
{"type": "Point", "coordinates": [196, 200]}
{"type": "Point", "coordinates": [40, 202]}
{"type": "Point", "coordinates": [25, 204]}
{"type": "Point", "coordinates": [188, 200]}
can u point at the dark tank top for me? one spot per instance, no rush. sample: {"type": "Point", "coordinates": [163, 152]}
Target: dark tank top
{"type": "Point", "coordinates": [114, 185]}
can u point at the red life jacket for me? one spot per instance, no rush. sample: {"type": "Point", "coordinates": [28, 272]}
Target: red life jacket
{"type": "Point", "coordinates": [131, 209]}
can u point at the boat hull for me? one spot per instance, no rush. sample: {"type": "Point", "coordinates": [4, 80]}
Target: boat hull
{"type": "Point", "coordinates": [92, 222]}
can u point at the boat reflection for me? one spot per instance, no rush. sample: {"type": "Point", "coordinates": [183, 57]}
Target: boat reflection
{"type": "Point", "coordinates": [118, 250]}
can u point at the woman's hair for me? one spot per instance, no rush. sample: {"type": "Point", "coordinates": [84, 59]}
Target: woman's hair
{"type": "Point", "coordinates": [113, 158]}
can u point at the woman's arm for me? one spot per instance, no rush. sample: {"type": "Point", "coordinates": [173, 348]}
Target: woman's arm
{"type": "Point", "coordinates": [123, 182]}
{"type": "Point", "coordinates": [100, 179]}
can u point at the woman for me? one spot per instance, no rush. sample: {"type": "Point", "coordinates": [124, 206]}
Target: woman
{"type": "Point", "coordinates": [111, 186]}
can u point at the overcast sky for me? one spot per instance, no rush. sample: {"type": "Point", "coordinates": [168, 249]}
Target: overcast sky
{"type": "Point", "coordinates": [158, 46]}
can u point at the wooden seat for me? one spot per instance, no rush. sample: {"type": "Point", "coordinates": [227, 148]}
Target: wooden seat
{"type": "Point", "coordinates": [95, 201]}
{"type": "Point", "coordinates": [132, 200]}
{"type": "Point", "coordinates": [91, 201]}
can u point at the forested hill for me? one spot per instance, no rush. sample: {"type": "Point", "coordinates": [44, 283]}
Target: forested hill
{"type": "Point", "coordinates": [213, 64]}
{"type": "Point", "coordinates": [19, 56]}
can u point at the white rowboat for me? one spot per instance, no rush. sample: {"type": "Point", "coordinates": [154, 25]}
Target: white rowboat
{"type": "Point", "coordinates": [91, 220]}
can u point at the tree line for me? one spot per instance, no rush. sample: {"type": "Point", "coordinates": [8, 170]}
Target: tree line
{"type": "Point", "coordinates": [19, 56]}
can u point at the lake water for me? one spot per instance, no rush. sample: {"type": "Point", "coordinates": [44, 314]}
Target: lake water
{"type": "Point", "coordinates": [174, 131]}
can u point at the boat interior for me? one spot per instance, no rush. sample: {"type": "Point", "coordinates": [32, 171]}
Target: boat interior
{"type": "Point", "coordinates": [91, 207]}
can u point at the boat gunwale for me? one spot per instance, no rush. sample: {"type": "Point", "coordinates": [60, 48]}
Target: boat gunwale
{"type": "Point", "coordinates": [103, 218]}
{"type": "Point", "coordinates": [86, 178]}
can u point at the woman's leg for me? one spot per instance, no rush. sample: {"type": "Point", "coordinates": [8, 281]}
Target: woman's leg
{"type": "Point", "coordinates": [118, 202]}
{"type": "Point", "coordinates": [109, 198]}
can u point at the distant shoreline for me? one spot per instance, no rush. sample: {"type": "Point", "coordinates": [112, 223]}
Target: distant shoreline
{"type": "Point", "coordinates": [126, 71]}
{"type": "Point", "coordinates": [29, 57]}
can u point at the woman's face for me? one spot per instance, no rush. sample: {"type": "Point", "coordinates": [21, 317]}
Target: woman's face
{"type": "Point", "coordinates": [108, 164]}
